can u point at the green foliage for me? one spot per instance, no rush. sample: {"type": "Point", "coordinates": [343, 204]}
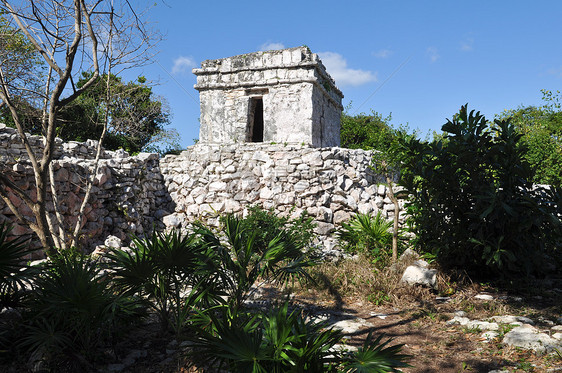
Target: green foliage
{"type": "Point", "coordinates": [277, 341]}
{"type": "Point", "coordinates": [14, 274]}
{"type": "Point", "coordinates": [283, 341]}
{"type": "Point", "coordinates": [172, 271]}
{"type": "Point", "coordinates": [73, 309]}
{"type": "Point", "coordinates": [244, 256]}
{"type": "Point", "coordinates": [473, 204]}
{"type": "Point", "coordinates": [366, 233]}
{"type": "Point", "coordinates": [364, 131]}
{"type": "Point", "coordinates": [266, 225]}
{"type": "Point", "coordinates": [541, 128]}
{"type": "Point", "coordinates": [377, 357]}
{"type": "Point", "coordinates": [135, 114]}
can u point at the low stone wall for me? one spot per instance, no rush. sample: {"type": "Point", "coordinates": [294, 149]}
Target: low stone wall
{"type": "Point", "coordinates": [125, 198]}
{"type": "Point", "coordinates": [131, 195]}
{"type": "Point", "coordinates": [329, 183]}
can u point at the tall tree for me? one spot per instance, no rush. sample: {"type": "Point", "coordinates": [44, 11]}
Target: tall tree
{"type": "Point", "coordinates": [71, 36]}
{"type": "Point", "coordinates": [136, 114]}
{"type": "Point", "coordinates": [541, 127]}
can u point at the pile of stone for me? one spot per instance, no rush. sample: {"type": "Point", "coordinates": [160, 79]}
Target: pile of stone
{"type": "Point", "coordinates": [523, 331]}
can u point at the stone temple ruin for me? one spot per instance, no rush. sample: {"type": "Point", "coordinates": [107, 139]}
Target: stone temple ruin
{"type": "Point", "coordinates": [281, 96]}
{"type": "Point", "coordinates": [270, 130]}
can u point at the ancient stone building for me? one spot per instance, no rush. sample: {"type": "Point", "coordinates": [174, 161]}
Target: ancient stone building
{"type": "Point", "coordinates": [281, 96]}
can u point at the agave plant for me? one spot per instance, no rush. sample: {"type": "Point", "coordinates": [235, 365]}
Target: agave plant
{"type": "Point", "coordinates": [366, 233]}
{"type": "Point", "coordinates": [173, 271]}
{"type": "Point", "coordinates": [241, 262]}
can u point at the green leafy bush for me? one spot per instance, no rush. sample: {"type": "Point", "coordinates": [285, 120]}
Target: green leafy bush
{"type": "Point", "coordinates": [474, 205]}
{"type": "Point", "coordinates": [266, 225]}
{"type": "Point", "coordinates": [366, 233]}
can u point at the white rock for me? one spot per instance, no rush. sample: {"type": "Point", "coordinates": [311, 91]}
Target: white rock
{"type": "Point", "coordinates": [342, 348]}
{"type": "Point", "coordinates": [489, 335]}
{"type": "Point", "coordinates": [381, 316]}
{"type": "Point", "coordinates": [421, 263]}
{"type": "Point", "coordinates": [484, 297]}
{"type": "Point", "coordinates": [351, 326]}
{"type": "Point", "coordinates": [38, 262]}
{"type": "Point", "coordinates": [113, 242]}
{"type": "Point", "coordinates": [408, 255]}
{"type": "Point", "coordinates": [217, 186]}
{"type": "Point", "coordinates": [458, 320]}
{"type": "Point", "coordinates": [531, 338]}
{"type": "Point", "coordinates": [556, 328]}
{"type": "Point", "coordinates": [482, 325]}
{"type": "Point", "coordinates": [171, 221]}
{"type": "Point", "coordinates": [513, 320]}
{"type": "Point", "coordinates": [415, 275]}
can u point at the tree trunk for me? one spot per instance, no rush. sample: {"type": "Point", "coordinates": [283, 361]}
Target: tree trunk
{"type": "Point", "coordinates": [394, 200]}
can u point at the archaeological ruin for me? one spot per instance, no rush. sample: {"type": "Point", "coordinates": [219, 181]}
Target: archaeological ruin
{"type": "Point", "coordinates": [269, 136]}
{"type": "Point", "coordinates": [282, 96]}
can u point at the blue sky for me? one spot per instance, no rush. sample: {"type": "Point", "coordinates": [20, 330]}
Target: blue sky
{"type": "Point", "coordinates": [419, 60]}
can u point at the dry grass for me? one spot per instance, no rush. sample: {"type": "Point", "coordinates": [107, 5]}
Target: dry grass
{"type": "Point", "coordinates": [358, 279]}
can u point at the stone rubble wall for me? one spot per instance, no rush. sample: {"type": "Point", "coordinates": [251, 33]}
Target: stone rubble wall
{"type": "Point", "coordinates": [131, 195]}
{"type": "Point", "coordinates": [124, 200]}
{"type": "Point", "coordinates": [331, 184]}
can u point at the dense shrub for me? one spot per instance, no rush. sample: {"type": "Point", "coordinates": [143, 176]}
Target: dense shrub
{"type": "Point", "coordinates": [473, 203]}
{"type": "Point", "coordinates": [247, 253]}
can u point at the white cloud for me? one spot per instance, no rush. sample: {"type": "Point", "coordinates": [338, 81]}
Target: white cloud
{"type": "Point", "coordinates": [271, 46]}
{"type": "Point", "coordinates": [466, 45]}
{"type": "Point", "coordinates": [336, 66]}
{"type": "Point", "coordinates": [383, 53]}
{"type": "Point", "coordinates": [183, 64]}
{"type": "Point", "coordinates": [432, 54]}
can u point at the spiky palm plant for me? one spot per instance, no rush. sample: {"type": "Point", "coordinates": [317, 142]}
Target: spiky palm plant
{"type": "Point", "coordinates": [273, 342]}
{"type": "Point", "coordinates": [174, 272]}
{"type": "Point", "coordinates": [375, 356]}
{"type": "Point", "coordinates": [73, 309]}
{"type": "Point", "coordinates": [241, 262]}
{"type": "Point", "coordinates": [367, 233]}
{"type": "Point", "coordinates": [15, 274]}
{"type": "Point", "coordinates": [284, 341]}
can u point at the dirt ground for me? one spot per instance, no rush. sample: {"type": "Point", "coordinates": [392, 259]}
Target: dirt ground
{"type": "Point", "coordinates": [415, 317]}
{"type": "Point", "coordinates": [419, 322]}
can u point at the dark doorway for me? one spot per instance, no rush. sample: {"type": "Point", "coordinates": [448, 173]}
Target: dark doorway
{"type": "Point", "coordinates": [255, 120]}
